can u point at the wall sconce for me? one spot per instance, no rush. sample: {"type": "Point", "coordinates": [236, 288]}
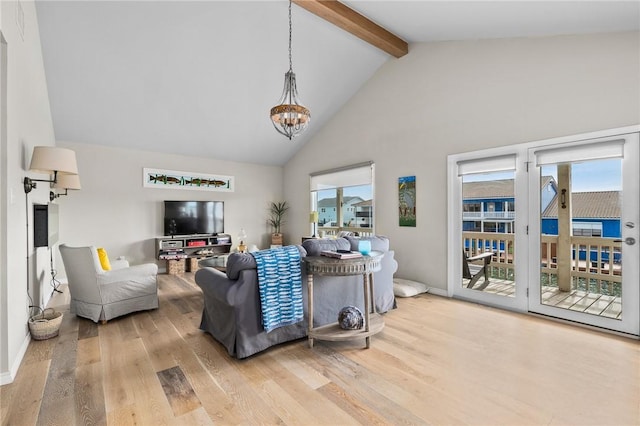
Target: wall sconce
{"type": "Point", "coordinates": [51, 160]}
{"type": "Point", "coordinates": [65, 182]}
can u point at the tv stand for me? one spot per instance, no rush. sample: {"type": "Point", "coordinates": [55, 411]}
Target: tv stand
{"type": "Point", "coordinates": [197, 246]}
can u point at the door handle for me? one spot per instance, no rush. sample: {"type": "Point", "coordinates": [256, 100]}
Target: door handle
{"type": "Point", "coordinates": [629, 241]}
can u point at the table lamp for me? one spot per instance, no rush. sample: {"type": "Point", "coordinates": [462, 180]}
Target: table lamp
{"type": "Point", "coordinates": [242, 248]}
{"type": "Point", "coordinates": [313, 218]}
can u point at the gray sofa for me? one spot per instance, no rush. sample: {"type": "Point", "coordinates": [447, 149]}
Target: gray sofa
{"type": "Point", "coordinates": [232, 312]}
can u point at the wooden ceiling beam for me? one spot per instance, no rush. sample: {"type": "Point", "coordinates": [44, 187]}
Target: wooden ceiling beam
{"type": "Point", "coordinates": [356, 24]}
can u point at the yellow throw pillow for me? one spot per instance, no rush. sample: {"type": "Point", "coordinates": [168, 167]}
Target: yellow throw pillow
{"type": "Point", "coordinates": [104, 259]}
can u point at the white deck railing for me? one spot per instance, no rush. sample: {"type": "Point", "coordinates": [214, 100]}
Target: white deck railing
{"type": "Point", "coordinates": [488, 215]}
{"type": "Point", "coordinates": [502, 246]}
{"type": "Point", "coordinates": [334, 230]}
{"type": "Point", "coordinates": [595, 262]}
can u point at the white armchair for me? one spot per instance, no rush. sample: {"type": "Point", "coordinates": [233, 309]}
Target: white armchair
{"type": "Point", "coordinates": [102, 295]}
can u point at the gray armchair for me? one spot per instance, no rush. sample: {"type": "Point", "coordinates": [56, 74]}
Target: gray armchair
{"type": "Point", "coordinates": [102, 295]}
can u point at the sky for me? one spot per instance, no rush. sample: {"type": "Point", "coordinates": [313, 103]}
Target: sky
{"type": "Point", "coordinates": [597, 175]}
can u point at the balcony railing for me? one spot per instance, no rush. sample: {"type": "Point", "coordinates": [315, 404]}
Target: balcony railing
{"type": "Point", "coordinates": [334, 230]}
{"type": "Point", "coordinates": [596, 263]}
{"type": "Point", "coordinates": [502, 246]}
{"type": "Point", "coordinates": [488, 215]}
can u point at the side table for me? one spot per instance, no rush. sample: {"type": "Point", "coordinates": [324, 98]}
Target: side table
{"type": "Point", "coordinates": [327, 266]}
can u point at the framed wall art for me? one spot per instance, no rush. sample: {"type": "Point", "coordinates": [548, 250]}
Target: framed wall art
{"type": "Point", "coordinates": [172, 179]}
{"type": "Point", "coordinates": [407, 201]}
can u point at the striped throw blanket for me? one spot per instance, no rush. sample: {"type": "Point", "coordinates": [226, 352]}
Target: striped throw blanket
{"type": "Point", "coordinates": [280, 283]}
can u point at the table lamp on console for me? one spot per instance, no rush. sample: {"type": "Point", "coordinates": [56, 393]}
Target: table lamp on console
{"type": "Point", "coordinates": [242, 248]}
{"type": "Point", "coordinates": [313, 218]}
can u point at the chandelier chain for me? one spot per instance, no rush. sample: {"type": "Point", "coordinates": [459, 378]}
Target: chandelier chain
{"type": "Point", "coordinates": [290, 61]}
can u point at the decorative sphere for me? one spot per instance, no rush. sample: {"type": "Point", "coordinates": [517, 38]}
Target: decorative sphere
{"type": "Point", "coordinates": [350, 318]}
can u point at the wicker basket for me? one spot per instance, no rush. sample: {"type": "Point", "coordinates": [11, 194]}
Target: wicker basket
{"type": "Point", "coordinates": [45, 325]}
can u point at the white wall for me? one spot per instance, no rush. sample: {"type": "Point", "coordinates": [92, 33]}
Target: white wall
{"type": "Point", "coordinates": [113, 210]}
{"type": "Point", "coordinates": [28, 123]}
{"type": "Point", "coordinates": [451, 97]}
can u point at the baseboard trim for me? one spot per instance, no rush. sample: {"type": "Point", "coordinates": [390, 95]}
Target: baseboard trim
{"type": "Point", "coordinates": [438, 292]}
{"type": "Point", "coordinates": [583, 325]}
{"type": "Point", "coordinates": [9, 376]}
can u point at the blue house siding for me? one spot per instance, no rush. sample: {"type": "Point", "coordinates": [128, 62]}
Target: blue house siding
{"type": "Point", "coordinates": [549, 226]}
{"type": "Point", "coordinates": [610, 227]}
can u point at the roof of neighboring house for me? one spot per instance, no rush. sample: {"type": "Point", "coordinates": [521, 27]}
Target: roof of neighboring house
{"type": "Point", "coordinates": [601, 204]}
{"type": "Point", "coordinates": [546, 180]}
{"type": "Point", "coordinates": [331, 202]}
{"type": "Point", "coordinates": [365, 203]}
{"type": "Point", "coordinates": [501, 188]}
{"type": "Point", "coordinates": [492, 189]}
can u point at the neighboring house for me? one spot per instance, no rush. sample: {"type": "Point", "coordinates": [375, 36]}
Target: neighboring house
{"type": "Point", "coordinates": [595, 214]}
{"type": "Point", "coordinates": [327, 210]}
{"type": "Point", "coordinates": [364, 214]}
{"type": "Point", "coordinates": [490, 207]}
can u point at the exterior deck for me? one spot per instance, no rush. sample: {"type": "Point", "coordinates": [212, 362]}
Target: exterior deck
{"type": "Point", "coordinates": [592, 284]}
{"type": "Point", "coordinates": [575, 300]}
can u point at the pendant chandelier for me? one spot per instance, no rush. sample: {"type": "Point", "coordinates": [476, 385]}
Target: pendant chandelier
{"type": "Point", "coordinates": [289, 117]}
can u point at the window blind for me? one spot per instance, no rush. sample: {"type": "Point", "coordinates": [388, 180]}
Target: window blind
{"type": "Point", "coordinates": [583, 152]}
{"type": "Point", "coordinates": [354, 175]}
{"type": "Point", "coordinates": [487, 165]}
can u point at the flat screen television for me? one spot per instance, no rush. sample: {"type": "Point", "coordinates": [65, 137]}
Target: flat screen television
{"type": "Point", "coordinates": [193, 217]}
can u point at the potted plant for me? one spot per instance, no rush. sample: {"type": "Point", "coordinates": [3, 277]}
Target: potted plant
{"type": "Point", "coordinates": [277, 210]}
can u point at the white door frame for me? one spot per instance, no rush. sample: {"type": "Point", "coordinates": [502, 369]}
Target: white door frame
{"type": "Point", "coordinates": [455, 249]}
{"type": "Point", "coordinates": [524, 263]}
{"type": "Point", "coordinates": [630, 321]}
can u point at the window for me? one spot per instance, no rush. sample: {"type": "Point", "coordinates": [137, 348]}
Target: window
{"type": "Point", "coordinates": [471, 207]}
{"type": "Point", "coordinates": [347, 196]}
{"type": "Point", "coordinates": [587, 229]}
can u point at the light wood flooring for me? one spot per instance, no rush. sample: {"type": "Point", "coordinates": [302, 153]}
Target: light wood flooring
{"type": "Point", "coordinates": [437, 361]}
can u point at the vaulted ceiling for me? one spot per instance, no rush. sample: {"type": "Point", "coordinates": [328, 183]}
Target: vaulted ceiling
{"type": "Point", "coordinates": [198, 78]}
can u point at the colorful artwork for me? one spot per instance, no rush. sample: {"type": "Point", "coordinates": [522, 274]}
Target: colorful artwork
{"type": "Point", "coordinates": [407, 200]}
{"type": "Point", "coordinates": [171, 179]}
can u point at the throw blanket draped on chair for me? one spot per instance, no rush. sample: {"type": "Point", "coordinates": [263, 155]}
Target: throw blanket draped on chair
{"type": "Point", "coordinates": [280, 284]}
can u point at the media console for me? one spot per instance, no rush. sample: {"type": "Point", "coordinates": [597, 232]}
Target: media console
{"type": "Point", "coordinates": [175, 249]}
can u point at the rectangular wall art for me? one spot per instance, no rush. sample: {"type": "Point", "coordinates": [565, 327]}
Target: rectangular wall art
{"type": "Point", "coordinates": [172, 179]}
{"type": "Point", "coordinates": [407, 200]}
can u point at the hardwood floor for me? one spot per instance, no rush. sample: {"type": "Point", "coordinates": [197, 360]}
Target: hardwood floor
{"type": "Point", "coordinates": [438, 361]}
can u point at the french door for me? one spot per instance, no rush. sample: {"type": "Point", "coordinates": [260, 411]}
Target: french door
{"type": "Point", "coordinates": [584, 231]}
{"type": "Point", "coordinates": [550, 227]}
{"type": "Point", "coordinates": [487, 228]}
